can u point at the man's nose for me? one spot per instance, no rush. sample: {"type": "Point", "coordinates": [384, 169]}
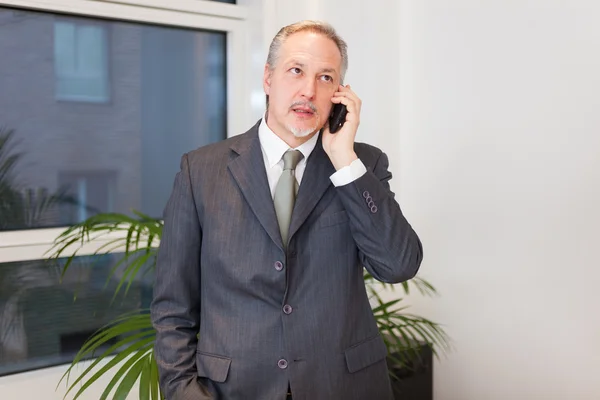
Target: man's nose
{"type": "Point", "coordinates": [308, 88]}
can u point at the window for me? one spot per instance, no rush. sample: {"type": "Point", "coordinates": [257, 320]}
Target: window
{"type": "Point", "coordinates": [81, 61]}
{"type": "Point", "coordinates": [95, 116]}
{"type": "Point", "coordinates": [69, 160]}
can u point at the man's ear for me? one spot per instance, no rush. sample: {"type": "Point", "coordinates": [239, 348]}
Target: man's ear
{"type": "Point", "coordinates": [267, 79]}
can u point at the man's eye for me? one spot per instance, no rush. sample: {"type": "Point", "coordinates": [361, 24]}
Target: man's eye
{"type": "Point", "coordinates": [295, 70]}
{"type": "Point", "coordinates": [327, 78]}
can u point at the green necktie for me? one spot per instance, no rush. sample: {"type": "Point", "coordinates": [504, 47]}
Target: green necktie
{"type": "Point", "coordinates": [285, 192]}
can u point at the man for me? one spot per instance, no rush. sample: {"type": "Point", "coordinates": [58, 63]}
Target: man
{"type": "Point", "coordinates": [259, 291]}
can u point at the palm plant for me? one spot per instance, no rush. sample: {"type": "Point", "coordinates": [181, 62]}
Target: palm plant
{"type": "Point", "coordinates": [137, 238]}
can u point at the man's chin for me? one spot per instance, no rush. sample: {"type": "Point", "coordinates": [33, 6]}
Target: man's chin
{"type": "Point", "coordinates": [302, 132]}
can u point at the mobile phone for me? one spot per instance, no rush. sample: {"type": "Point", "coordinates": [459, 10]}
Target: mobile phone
{"type": "Point", "coordinates": [337, 117]}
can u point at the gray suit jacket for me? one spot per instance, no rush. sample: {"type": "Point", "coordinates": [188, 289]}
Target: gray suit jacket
{"type": "Point", "coordinates": [237, 317]}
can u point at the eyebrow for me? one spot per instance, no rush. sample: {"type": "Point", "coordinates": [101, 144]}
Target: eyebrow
{"type": "Point", "coordinates": [300, 64]}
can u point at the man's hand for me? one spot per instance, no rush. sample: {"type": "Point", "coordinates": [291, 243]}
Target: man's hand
{"type": "Point", "coordinates": [339, 146]}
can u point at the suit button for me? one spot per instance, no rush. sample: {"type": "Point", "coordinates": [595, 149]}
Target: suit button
{"type": "Point", "coordinates": [282, 364]}
{"type": "Point", "coordinates": [287, 309]}
{"type": "Point", "coordinates": [371, 204]}
{"type": "Point", "coordinates": [366, 194]}
{"type": "Point", "coordinates": [374, 209]}
{"type": "Point", "coordinates": [368, 199]}
{"type": "Point", "coordinates": [278, 265]}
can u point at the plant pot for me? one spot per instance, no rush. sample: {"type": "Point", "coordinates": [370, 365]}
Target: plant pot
{"type": "Point", "coordinates": [415, 380]}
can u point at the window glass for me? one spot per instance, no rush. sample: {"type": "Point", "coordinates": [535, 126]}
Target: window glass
{"type": "Point", "coordinates": [44, 321]}
{"type": "Point", "coordinates": [96, 114]}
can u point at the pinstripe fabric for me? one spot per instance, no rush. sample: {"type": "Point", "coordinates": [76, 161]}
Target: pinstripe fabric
{"type": "Point", "coordinates": [223, 273]}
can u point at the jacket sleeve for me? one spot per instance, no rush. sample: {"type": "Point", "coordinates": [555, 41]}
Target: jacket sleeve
{"type": "Point", "coordinates": [388, 246]}
{"type": "Point", "coordinates": [175, 308]}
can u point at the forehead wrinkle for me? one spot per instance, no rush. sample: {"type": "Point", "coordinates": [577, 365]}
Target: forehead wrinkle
{"type": "Point", "coordinates": [297, 62]}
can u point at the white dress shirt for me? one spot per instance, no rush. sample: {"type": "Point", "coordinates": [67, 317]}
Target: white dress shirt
{"type": "Point", "coordinates": [273, 148]}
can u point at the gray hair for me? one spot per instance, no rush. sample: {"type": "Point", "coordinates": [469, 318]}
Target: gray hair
{"type": "Point", "coordinates": [320, 27]}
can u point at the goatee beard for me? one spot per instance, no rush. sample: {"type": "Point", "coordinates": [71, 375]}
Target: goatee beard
{"type": "Point", "coordinates": [301, 133]}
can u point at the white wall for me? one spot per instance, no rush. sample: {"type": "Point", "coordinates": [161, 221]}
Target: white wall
{"type": "Point", "coordinates": [500, 173]}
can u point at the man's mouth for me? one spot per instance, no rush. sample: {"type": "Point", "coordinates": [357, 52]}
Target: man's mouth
{"type": "Point", "coordinates": [303, 110]}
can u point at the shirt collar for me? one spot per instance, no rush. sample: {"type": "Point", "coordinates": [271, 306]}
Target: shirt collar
{"type": "Point", "coordinates": [274, 147]}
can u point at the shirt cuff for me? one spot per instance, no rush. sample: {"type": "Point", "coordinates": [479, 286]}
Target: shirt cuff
{"type": "Point", "coordinates": [349, 173]}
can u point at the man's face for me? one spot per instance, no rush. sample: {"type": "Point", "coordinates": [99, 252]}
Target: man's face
{"type": "Point", "coordinates": [301, 84]}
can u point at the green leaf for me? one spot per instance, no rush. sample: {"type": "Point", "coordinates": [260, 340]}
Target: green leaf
{"type": "Point", "coordinates": [128, 324]}
{"type": "Point", "coordinates": [124, 368]}
{"type": "Point", "coordinates": [154, 388]}
{"type": "Point", "coordinates": [405, 342]}
{"type": "Point", "coordinates": [148, 342]}
{"type": "Point", "coordinates": [128, 237]}
{"type": "Point", "coordinates": [131, 271]}
{"type": "Point", "coordinates": [133, 328]}
{"type": "Point", "coordinates": [428, 331]}
{"type": "Point", "coordinates": [424, 287]}
{"type": "Point", "coordinates": [145, 379]}
{"type": "Point", "coordinates": [385, 306]}
{"type": "Point", "coordinates": [129, 380]}
{"type": "Point", "coordinates": [406, 287]}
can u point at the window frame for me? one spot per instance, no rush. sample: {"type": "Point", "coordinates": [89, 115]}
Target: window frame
{"type": "Point", "coordinates": [232, 19]}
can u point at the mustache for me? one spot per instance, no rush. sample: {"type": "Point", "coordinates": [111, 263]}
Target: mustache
{"type": "Point", "coordinates": [308, 104]}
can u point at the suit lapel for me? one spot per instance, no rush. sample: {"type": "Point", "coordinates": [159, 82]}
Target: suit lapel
{"type": "Point", "coordinates": [315, 182]}
{"type": "Point", "coordinates": [248, 169]}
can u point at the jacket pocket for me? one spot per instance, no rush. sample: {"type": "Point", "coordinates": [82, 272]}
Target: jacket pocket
{"type": "Point", "coordinates": [365, 353]}
{"type": "Point", "coordinates": [333, 219]}
{"type": "Point", "coordinates": [212, 366]}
